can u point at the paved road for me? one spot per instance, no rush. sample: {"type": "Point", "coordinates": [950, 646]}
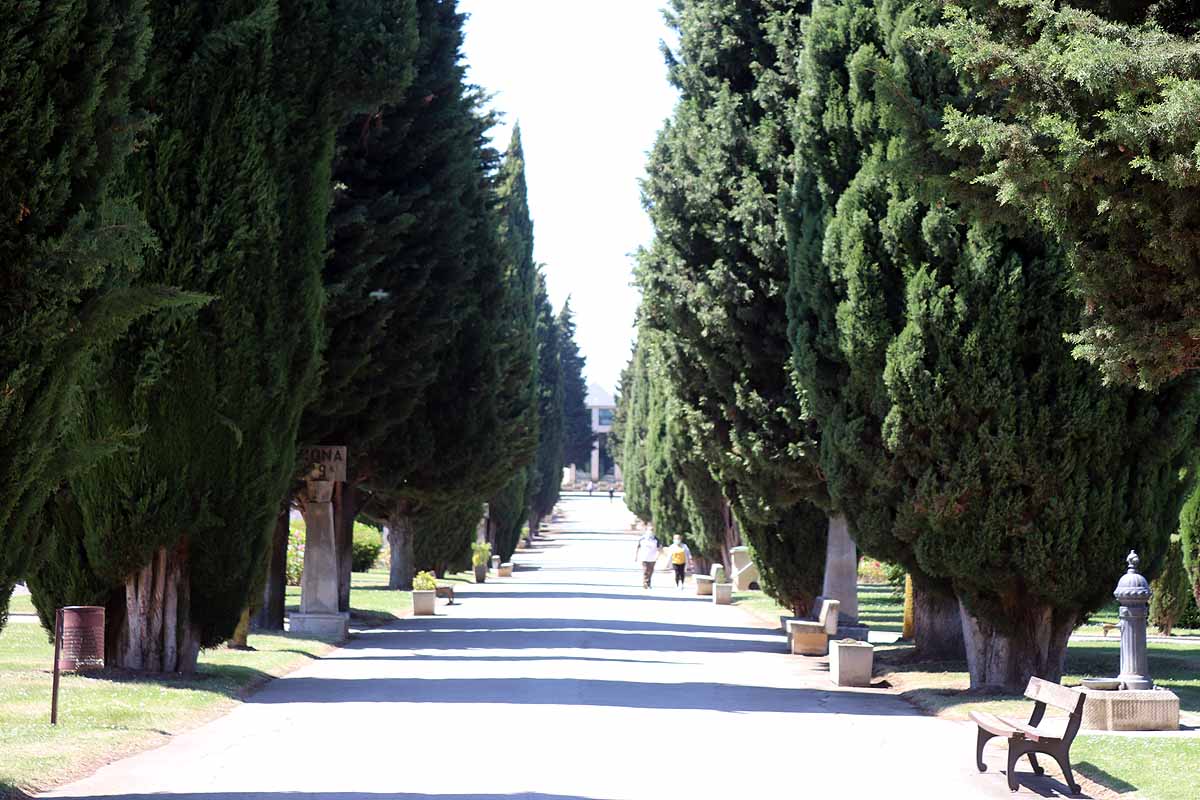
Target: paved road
{"type": "Point", "coordinates": [567, 681]}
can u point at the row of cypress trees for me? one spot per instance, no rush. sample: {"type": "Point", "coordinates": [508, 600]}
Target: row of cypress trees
{"type": "Point", "coordinates": [232, 227]}
{"type": "Point", "coordinates": [847, 332]}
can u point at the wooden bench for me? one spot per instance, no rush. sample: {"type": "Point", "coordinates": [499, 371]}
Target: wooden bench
{"type": "Point", "coordinates": [1109, 626]}
{"type": "Point", "coordinates": [447, 592]}
{"type": "Point", "coordinates": [1030, 738]}
{"type": "Point", "coordinates": [810, 637]}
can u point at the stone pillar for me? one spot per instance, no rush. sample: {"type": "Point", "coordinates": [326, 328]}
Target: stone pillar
{"type": "Point", "coordinates": [1133, 594]}
{"type": "Point", "coordinates": [841, 571]}
{"type": "Point", "coordinates": [319, 615]}
{"type": "Point", "coordinates": [596, 460]}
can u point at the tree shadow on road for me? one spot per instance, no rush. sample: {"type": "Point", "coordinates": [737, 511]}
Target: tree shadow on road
{"type": "Point", "coordinates": [329, 796]}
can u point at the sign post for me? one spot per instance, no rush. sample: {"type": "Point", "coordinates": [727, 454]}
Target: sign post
{"type": "Point", "coordinates": [78, 645]}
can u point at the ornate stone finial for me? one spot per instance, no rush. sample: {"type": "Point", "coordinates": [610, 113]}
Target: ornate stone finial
{"type": "Point", "coordinates": [1133, 561]}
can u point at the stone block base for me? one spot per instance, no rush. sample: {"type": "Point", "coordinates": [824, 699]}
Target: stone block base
{"type": "Point", "coordinates": [850, 663]}
{"type": "Point", "coordinates": [1131, 710]}
{"type": "Point", "coordinates": [722, 593]}
{"type": "Point", "coordinates": [325, 626]}
{"type": "Point", "coordinates": [704, 585]}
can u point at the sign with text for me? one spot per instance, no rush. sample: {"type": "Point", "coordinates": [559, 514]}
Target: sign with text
{"type": "Point", "coordinates": [324, 463]}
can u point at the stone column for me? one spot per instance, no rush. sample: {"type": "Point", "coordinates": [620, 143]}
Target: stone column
{"type": "Point", "coordinates": [596, 460]}
{"type": "Point", "coordinates": [841, 571]}
{"type": "Point", "coordinates": [319, 615]}
{"type": "Point", "coordinates": [1133, 593]}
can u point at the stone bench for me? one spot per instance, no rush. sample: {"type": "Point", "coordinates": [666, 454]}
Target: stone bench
{"type": "Point", "coordinates": [704, 583]}
{"type": "Point", "coordinates": [1029, 738]}
{"type": "Point", "coordinates": [810, 637]}
{"type": "Point", "coordinates": [745, 571]}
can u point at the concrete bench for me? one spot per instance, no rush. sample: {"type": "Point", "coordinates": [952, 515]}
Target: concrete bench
{"type": "Point", "coordinates": [745, 571]}
{"type": "Point", "coordinates": [810, 637]}
{"type": "Point", "coordinates": [1029, 738]}
{"type": "Point", "coordinates": [704, 583]}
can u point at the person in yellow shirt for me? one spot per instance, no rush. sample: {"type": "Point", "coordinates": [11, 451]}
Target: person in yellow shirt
{"type": "Point", "coordinates": [681, 560]}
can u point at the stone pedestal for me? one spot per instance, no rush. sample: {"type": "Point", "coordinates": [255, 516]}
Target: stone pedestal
{"type": "Point", "coordinates": [841, 570]}
{"type": "Point", "coordinates": [1134, 710]}
{"type": "Point", "coordinates": [850, 663]}
{"type": "Point", "coordinates": [319, 615]}
{"type": "Point", "coordinates": [1133, 593]}
{"type": "Point", "coordinates": [722, 593]}
{"type": "Point", "coordinates": [423, 602]}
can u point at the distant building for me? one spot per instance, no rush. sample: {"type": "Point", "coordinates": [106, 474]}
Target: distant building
{"type": "Point", "coordinates": [602, 405]}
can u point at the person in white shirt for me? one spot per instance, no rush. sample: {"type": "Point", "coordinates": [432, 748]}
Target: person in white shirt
{"type": "Point", "coordinates": [681, 559]}
{"type": "Point", "coordinates": [647, 554]}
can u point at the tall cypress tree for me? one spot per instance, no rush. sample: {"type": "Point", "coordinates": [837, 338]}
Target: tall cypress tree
{"type": "Point", "coordinates": [1082, 122]}
{"type": "Point", "coordinates": [714, 279]}
{"type": "Point", "coordinates": [546, 475]}
{"type": "Point", "coordinates": [577, 419]}
{"type": "Point", "coordinates": [1189, 540]}
{"type": "Point", "coordinates": [518, 393]}
{"type": "Point", "coordinates": [172, 537]}
{"type": "Point", "coordinates": [988, 462]}
{"type": "Point", "coordinates": [71, 241]}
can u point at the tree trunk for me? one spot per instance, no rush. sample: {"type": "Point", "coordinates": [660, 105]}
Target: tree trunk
{"type": "Point", "coordinates": [241, 634]}
{"type": "Point", "coordinates": [535, 522]}
{"type": "Point", "coordinates": [841, 570]}
{"type": "Point", "coordinates": [344, 512]}
{"type": "Point", "coordinates": [1036, 644]}
{"type": "Point", "coordinates": [268, 617]}
{"type": "Point", "coordinates": [155, 632]}
{"type": "Point", "coordinates": [400, 540]}
{"type": "Point", "coordinates": [938, 633]}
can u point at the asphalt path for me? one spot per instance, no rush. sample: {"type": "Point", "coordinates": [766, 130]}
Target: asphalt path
{"type": "Point", "coordinates": [566, 681]}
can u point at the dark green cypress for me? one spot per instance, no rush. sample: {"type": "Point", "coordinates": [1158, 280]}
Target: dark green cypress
{"type": "Point", "coordinates": [546, 476]}
{"type": "Point", "coordinates": [714, 279]}
{"type": "Point", "coordinates": [443, 535]}
{"type": "Point", "coordinates": [577, 418]}
{"type": "Point", "coordinates": [71, 242]}
{"type": "Point", "coordinates": [999, 475]}
{"type": "Point", "coordinates": [1082, 123]}
{"type": "Point", "coordinates": [218, 396]}
{"type": "Point", "coordinates": [1189, 540]}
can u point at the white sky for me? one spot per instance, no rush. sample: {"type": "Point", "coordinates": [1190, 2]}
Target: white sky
{"type": "Point", "coordinates": [588, 84]}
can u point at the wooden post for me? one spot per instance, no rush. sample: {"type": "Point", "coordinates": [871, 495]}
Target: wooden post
{"type": "Point", "coordinates": [58, 628]}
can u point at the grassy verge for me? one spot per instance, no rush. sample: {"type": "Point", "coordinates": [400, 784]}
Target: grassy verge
{"type": "Point", "coordinates": [109, 715]}
{"type": "Point", "coordinates": [878, 606]}
{"type": "Point", "coordinates": [21, 604]}
{"type": "Point", "coordinates": [1151, 766]}
{"type": "Point", "coordinates": [1108, 615]}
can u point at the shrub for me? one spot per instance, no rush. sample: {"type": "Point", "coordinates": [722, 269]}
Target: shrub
{"type": "Point", "coordinates": [481, 554]}
{"type": "Point", "coordinates": [295, 553]}
{"type": "Point", "coordinates": [368, 544]}
{"type": "Point", "coordinates": [424, 582]}
{"type": "Point", "coordinates": [1171, 591]}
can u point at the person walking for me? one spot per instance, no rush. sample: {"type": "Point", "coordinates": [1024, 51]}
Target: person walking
{"type": "Point", "coordinates": [591, 487]}
{"type": "Point", "coordinates": [611, 490]}
{"type": "Point", "coordinates": [647, 554]}
{"type": "Point", "coordinates": [680, 557]}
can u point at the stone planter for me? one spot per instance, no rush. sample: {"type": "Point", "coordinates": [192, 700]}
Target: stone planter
{"type": "Point", "coordinates": [423, 600]}
{"type": "Point", "coordinates": [480, 573]}
{"type": "Point", "coordinates": [850, 662]}
{"type": "Point", "coordinates": [704, 585]}
{"type": "Point", "coordinates": [722, 593]}
{"type": "Point", "coordinates": [506, 570]}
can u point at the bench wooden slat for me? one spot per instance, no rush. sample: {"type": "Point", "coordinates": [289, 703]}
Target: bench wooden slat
{"type": "Point", "coordinates": [1052, 694]}
{"type": "Point", "coordinates": [1002, 726]}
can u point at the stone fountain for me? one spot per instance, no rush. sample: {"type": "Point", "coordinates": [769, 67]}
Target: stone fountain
{"type": "Point", "coordinates": [1131, 702]}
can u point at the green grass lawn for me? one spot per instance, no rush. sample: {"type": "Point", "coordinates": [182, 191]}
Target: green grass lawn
{"type": "Point", "coordinates": [1108, 614]}
{"type": "Point", "coordinates": [111, 715]}
{"type": "Point", "coordinates": [1151, 765]}
{"type": "Point", "coordinates": [21, 604]}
